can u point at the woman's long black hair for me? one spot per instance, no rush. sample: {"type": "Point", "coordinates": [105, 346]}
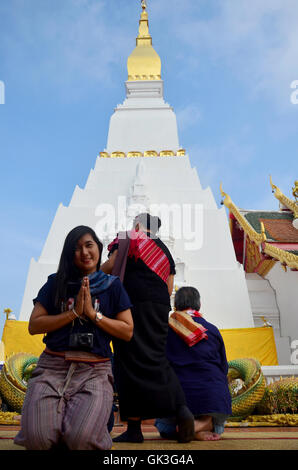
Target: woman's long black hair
{"type": "Point", "coordinates": [67, 270]}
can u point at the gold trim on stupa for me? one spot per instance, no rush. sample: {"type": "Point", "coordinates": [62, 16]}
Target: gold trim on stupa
{"type": "Point", "coordinates": [134, 154]}
{"type": "Point", "coordinates": [144, 62]}
{"type": "Point", "coordinates": [147, 153]}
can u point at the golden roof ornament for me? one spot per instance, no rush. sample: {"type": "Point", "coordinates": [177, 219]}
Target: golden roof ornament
{"type": "Point", "coordinates": [144, 62]}
{"type": "Point", "coordinates": [256, 237]}
{"type": "Point", "coordinates": [8, 312]}
{"type": "Point", "coordinates": [285, 257]}
{"type": "Point", "coordinates": [287, 202]}
{"type": "Point", "coordinates": [295, 191]}
{"type": "Point", "coordinates": [265, 321]}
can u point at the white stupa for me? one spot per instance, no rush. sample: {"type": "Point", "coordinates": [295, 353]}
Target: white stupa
{"type": "Point", "coordinates": [144, 165]}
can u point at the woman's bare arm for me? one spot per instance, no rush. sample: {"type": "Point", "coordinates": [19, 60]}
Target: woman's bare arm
{"type": "Point", "coordinates": [107, 266]}
{"type": "Point", "coordinates": [120, 327]}
{"type": "Point", "coordinates": [170, 284]}
{"type": "Point", "coordinates": [41, 322]}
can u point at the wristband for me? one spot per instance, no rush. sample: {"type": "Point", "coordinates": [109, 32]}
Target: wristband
{"type": "Point", "coordinates": [73, 310]}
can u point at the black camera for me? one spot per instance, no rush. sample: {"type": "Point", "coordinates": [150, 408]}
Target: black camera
{"type": "Point", "coordinates": [81, 341]}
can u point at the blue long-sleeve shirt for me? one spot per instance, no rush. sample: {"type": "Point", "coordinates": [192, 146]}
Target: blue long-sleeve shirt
{"type": "Point", "coordinates": [202, 370]}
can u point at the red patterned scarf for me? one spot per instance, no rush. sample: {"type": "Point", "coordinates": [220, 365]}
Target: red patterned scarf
{"type": "Point", "coordinates": [190, 331]}
{"type": "Point", "coordinates": [144, 248]}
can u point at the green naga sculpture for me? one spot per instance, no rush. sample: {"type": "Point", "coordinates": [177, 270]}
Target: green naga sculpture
{"type": "Point", "coordinates": [14, 376]}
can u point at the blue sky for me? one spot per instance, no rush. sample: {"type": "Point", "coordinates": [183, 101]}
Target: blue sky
{"type": "Point", "coordinates": [227, 67]}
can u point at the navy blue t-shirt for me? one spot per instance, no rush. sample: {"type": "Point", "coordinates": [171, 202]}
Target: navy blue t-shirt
{"type": "Point", "coordinates": [109, 302]}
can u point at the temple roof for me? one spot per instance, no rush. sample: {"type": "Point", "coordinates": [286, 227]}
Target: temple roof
{"type": "Point", "coordinates": [273, 233]}
{"type": "Point", "coordinates": [278, 225]}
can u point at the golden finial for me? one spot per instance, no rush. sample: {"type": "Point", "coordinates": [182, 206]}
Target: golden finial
{"type": "Point", "coordinates": [266, 323]}
{"type": "Point", "coordinates": [295, 191]}
{"type": "Point", "coordinates": [7, 311]}
{"type": "Point", "coordinates": [227, 201]}
{"type": "Point", "coordinates": [144, 4]}
{"type": "Point", "coordinates": [221, 190]}
{"type": "Point", "coordinates": [275, 189]}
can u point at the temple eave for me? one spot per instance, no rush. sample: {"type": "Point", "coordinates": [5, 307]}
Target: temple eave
{"type": "Point", "coordinates": [260, 250]}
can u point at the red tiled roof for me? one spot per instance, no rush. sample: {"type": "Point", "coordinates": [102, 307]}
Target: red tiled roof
{"type": "Point", "coordinates": [280, 230]}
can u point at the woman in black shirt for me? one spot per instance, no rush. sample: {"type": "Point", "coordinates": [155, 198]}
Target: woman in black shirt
{"type": "Point", "coordinates": [146, 384]}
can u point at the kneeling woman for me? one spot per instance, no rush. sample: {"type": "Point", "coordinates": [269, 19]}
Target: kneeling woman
{"type": "Point", "coordinates": [70, 394]}
{"type": "Point", "coordinates": [198, 357]}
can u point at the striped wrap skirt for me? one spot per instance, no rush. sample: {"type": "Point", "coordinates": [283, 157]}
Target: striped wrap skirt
{"type": "Point", "coordinates": [67, 403]}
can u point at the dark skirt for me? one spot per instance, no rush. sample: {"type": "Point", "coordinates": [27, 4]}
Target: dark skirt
{"type": "Point", "coordinates": [146, 384]}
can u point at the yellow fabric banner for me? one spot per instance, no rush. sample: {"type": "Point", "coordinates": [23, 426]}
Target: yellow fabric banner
{"type": "Point", "coordinates": [239, 342]}
{"type": "Point", "coordinates": [16, 338]}
{"type": "Point", "coordinates": [258, 343]}
{"type": "Point", "coordinates": [2, 354]}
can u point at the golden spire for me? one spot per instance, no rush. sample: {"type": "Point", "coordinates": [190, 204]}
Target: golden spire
{"type": "Point", "coordinates": [144, 62]}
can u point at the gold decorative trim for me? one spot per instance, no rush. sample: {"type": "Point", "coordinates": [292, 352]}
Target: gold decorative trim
{"type": "Point", "coordinates": [136, 78]}
{"type": "Point", "coordinates": [295, 191]}
{"type": "Point", "coordinates": [147, 153]}
{"type": "Point", "coordinates": [254, 236]}
{"type": "Point", "coordinates": [289, 203]}
{"type": "Point", "coordinates": [266, 266]}
{"type": "Point", "coordinates": [134, 154]}
{"type": "Point", "coordinates": [117, 155]}
{"type": "Point", "coordinates": [253, 256]}
{"type": "Point", "coordinates": [265, 420]}
{"type": "Point", "coordinates": [283, 256]}
{"type": "Point", "coordinates": [166, 153]}
{"type": "Point", "coordinates": [150, 153]}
